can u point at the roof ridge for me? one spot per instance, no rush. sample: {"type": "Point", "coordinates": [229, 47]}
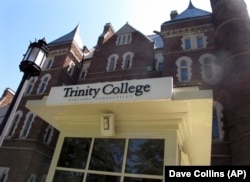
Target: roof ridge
{"type": "Point", "coordinates": [73, 35]}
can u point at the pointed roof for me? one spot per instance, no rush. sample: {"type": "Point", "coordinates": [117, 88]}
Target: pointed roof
{"type": "Point", "coordinates": [126, 29]}
{"type": "Point", "coordinates": [190, 12]}
{"type": "Point", "coordinates": [74, 35]}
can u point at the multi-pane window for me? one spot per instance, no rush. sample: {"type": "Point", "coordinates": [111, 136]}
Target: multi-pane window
{"type": "Point", "coordinates": [27, 125]}
{"type": "Point", "coordinates": [71, 68]}
{"type": "Point", "coordinates": [184, 69]}
{"type": "Point", "coordinates": [124, 39]}
{"type": "Point", "coordinates": [193, 41]}
{"type": "Point", "coordinates": [210, 71]}
{"type": "Point", "coordinates": [84, 71]}
{"type": "Point", "coordinates": [112, 61]}
{"type": "Point", "coordinates": [105, 159]}
{"type": "Point", "coordinates": [14, 124]}
{"type": "Point", "coordinates": [187, 43]}
{"type": "Point", "coordinates": [30, 85]}
{"type": "Point", "coordinates": [159, 62]}
{"type": "Point", "coordinates": [127, 60]}
{"type": "Point", "coordinates": [48, 63]}
{"type": "Point", "coordinates": [200, 41]}
{"type": "Point", "coordinates": [44, 82]}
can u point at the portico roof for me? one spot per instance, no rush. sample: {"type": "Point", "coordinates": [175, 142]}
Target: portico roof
{"type": "Point", "coordinates": [189, 112]}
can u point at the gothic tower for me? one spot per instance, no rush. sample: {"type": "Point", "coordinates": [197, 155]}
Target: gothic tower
{"type": "Point", "coordinates": [232, 29]}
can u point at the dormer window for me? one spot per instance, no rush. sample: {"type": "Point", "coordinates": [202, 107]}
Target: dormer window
{"type": "Point", "coordinates": [124, 39]}
{"type": "Point", "coordinates": [112, 60]}
{"type": "Point", "coordinates": [127, 60]}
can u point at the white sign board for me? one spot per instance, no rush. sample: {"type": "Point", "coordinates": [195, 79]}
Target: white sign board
{"type": "Point", "coordinates": [110, 92]}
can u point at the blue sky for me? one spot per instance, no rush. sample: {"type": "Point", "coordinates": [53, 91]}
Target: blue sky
{"type": "Point", "coordinates": [22, 21]}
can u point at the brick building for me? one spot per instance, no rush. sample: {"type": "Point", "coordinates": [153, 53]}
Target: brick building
{"type": "Point", "coordinates": [199, 50]}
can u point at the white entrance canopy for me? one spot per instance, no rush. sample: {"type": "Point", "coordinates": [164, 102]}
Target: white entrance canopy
{"type": "Point", "coordinates": [148, 106]}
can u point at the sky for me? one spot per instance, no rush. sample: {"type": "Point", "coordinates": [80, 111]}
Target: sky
{"type": "Point", "coordinates": [24, 21]}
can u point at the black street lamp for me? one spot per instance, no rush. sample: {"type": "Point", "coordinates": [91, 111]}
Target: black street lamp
{"type": "Point", "coordinates": [31, 66]}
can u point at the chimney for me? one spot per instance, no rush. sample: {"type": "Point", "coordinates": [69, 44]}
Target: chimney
{"type": "Point", "coordinates": [173, 14]}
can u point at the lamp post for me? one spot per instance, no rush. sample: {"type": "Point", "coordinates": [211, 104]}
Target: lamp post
{"type": "Point", "coordinates": [31, 66]}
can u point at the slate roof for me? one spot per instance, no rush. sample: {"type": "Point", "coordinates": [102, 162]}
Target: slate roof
{"type": "Point", "coordinates": [157, 40]}
{"type": "Point", "coordinates": [190, 12]}
{"type": "Point", "coordinates": [69, 37]}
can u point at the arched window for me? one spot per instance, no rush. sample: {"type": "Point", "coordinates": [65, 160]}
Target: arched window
{"type": "Point", "coordinates": [217, 124]}
{"type": "Point", "coordinates": [27, 125]}
{"type": "Point", "coordinates": [84, 70]}
{"type": "Point", "coordinates": [48, 134]}
{"type": "Point", "coordinates": [15, 122]}
{"type": "Point", "coordinates": [159, 62]}
{"type": "Point", "coordinates": [44, 82]}
{"type": "Point", "coordinates": [71, 68]}
{"type": "Point", "coordinates": [112, 61]}
{"type": "Point", "coordinates": [184, 69]}
{"type": "Point", "coordinates": [210, 71]}
{"type": "Point", "coordinates": [112, 64]}
{"type": "Point", "coordinates": [30, 85]}
{"type": "Point", "coordinates": [127, 60]}
{"type": "Point", "coordinates": [208, 68]}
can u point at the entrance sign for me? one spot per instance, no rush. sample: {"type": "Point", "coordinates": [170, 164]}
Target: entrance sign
{"type": "Point", "coordinates": [111, 92]}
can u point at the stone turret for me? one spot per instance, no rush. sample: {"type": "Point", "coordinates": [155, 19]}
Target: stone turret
{"type": "Point", "coordinates": [232, 30]}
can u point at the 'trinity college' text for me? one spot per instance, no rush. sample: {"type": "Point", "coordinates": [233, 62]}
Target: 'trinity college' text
{"type": "Point", "coordinates": [123, 88]}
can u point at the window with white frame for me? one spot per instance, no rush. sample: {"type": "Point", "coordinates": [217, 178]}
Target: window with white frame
{"type": "Point", "coordinates": [200, 41]}
{"type": "Point", "coordinates": [84, 71]}
{"type": "Point", "coordinates": [49, 132]}
{"type": "Point", "coordinates": [48, 63]}
{"type": "Point", "coordinates": [193, 41]}
{"type": "Point", "coordinates": [27, 125]}
{"type": "Point", "coordinates": [184, 70]}
{"type": "Point", "coordinates": [44, 82]}
{"type": "Point", "coordinates": [30, 85]}
{"type": "Point", "coordinates": [187, 43]}
{"type": "Point", "coordinates": [127, 60]}
{"type": "Point", "coordinates": [71, 68]}
{"type": "Point", "coordinates": [4, 172]}
{"type": "Point", "coordinates": [217, 124]}
{"type": "Point", "coordinates": [159, 61]}
{"type": "Point", "coordinates": [112, 61]}
{"type": "Point", "coordinates": [14, 124]}
{"type": "Point", "coordinates": [208, 67]}
{"type": "Point", "coordinates": [110, 159]}
{"type": "Point", "coordinates": [124, 39]}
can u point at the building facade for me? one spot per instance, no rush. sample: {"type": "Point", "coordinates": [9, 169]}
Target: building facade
{"type": "Point", "coordinates": [92, 113]}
